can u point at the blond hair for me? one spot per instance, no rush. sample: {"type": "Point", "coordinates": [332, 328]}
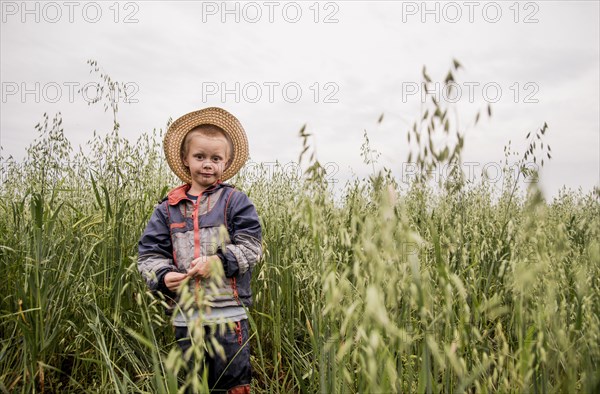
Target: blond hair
{"type": "Point", "coordinates": [206, 130]}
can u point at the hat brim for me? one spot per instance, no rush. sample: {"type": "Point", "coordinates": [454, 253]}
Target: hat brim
{"type": "Point", "coordinates": [215, 116]}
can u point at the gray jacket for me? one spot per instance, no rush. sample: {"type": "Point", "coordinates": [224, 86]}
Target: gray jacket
{"type": "Point", "coordinates": [181, 230]}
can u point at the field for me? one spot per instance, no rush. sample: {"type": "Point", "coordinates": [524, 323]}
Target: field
{"type": "Point", "coordinates": [453, 287]}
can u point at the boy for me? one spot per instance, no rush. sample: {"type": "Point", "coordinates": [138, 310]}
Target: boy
{"type": "Point", "coordinates": [184, 242]}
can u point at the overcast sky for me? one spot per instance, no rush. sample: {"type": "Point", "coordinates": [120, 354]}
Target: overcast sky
{"type": "Point", "coordinates": [336, 66]}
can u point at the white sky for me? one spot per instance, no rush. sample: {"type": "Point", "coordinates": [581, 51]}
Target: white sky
{"type": "Point", "coordinates": [374, 48]}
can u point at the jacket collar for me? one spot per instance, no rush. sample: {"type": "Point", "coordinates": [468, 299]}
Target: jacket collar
{"type": "Point", "coordinates": [179, 193]}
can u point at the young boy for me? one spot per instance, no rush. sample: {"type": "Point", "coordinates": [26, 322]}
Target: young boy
{"type": "Point", "coordinates": [185, 242]}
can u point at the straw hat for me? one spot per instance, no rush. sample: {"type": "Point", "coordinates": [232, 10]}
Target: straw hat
{"type": "Point", "coordinates": [215, 116]}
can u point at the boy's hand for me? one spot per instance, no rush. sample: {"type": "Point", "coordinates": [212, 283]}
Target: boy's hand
{"type": "Point", "coordinates": [173, 280]}
{"type": "Point", "coordinates": [203, 266]}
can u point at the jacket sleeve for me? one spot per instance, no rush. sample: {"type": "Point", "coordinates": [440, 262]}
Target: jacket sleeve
{"type": "Point", "coordinates": [246, 236]}
{"type": "Point", "coordinates": [155, 251]}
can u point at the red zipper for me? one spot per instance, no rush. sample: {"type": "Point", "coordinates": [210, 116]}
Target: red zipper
{"type": "Point", "coordinates": [238, 331]}
{"type": "Point", "coordinates": [235, 291]}
{"type": "Point", "coordinates": [197, 247]}
{"type": "Point", "coordinates": [196, 240]}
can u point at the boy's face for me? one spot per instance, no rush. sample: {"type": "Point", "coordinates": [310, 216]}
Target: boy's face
{"type": "Point", "coordinates": [206, 158]}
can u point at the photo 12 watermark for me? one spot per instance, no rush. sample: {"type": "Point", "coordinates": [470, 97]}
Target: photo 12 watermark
{"type": "Point", "coordinates": [470, 11]}
{"type": "Point", "coordinates": [270, 92]}
{"type": "Point", "coordinates": [254, 171]}
{"type": "Point", "coordinates": [69, 11]}
{"type": "Point", "coordinates": [413, 250]}
{"type": "Point", "coordinates": [269, 11]}
{"type": "Point", "coordinates": [454, 92]}
{"type": "Point", "coordinates": [493, 172]}
{"type": "Point", "coordinates": [55, 92]}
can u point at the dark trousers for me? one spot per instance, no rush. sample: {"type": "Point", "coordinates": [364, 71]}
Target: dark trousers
{"type": "Point", "coordinates": [231, 372]}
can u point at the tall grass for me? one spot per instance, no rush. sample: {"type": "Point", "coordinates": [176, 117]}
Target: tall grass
{"type": "Point", "coordinates": [442, 288]}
